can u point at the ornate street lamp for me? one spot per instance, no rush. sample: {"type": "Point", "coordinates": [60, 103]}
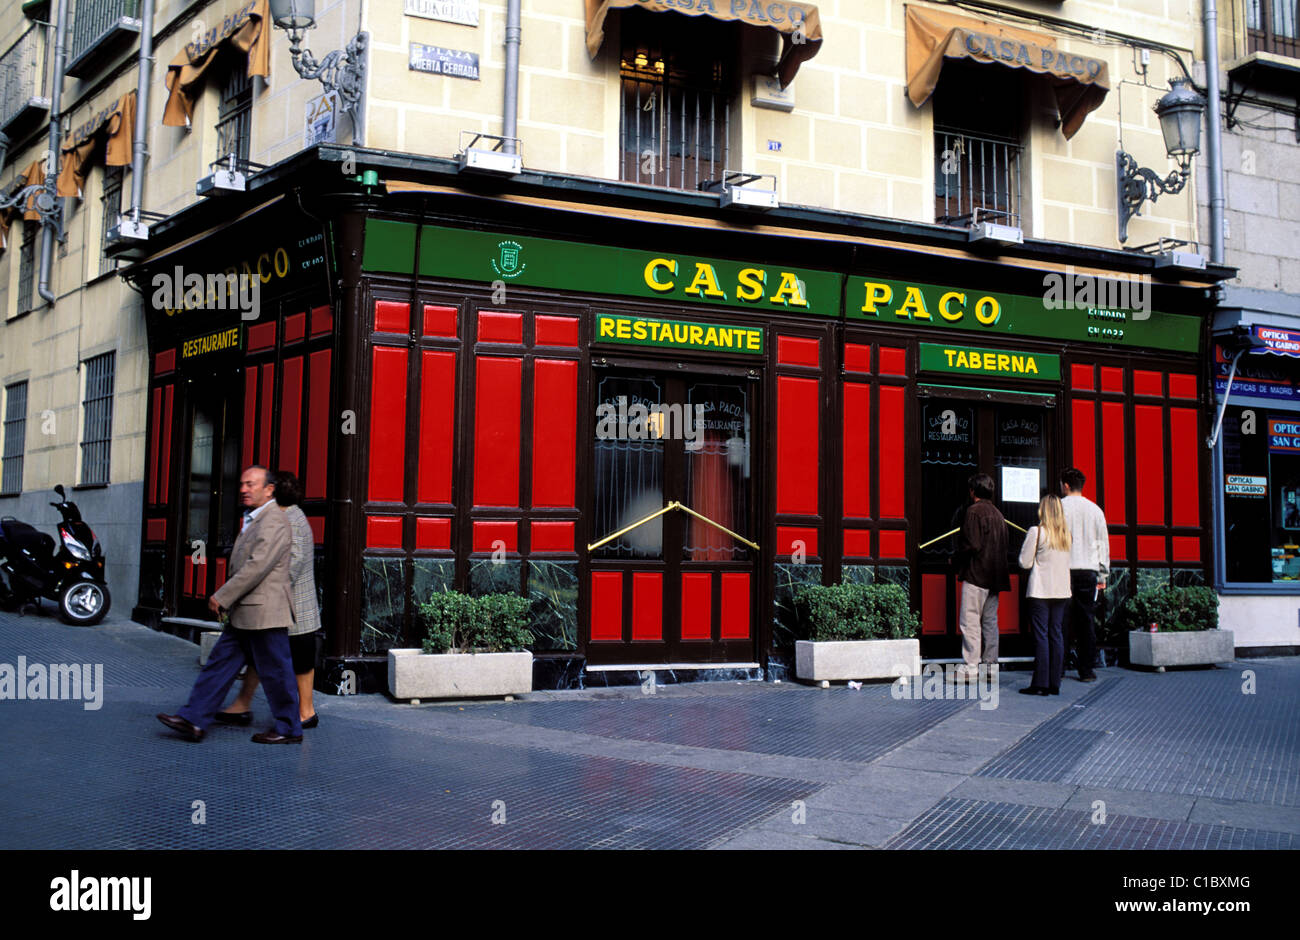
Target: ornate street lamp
{"type": "Point", "coordinates": [1180, 123]}
{"type": "Point", "coordinates": [342, 71]}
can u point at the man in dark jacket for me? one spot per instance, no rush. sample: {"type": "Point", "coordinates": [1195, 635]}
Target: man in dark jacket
{"type": "Point", "coordinates": [982, 555]}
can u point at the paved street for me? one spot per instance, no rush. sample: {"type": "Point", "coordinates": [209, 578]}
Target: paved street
{"type": "Point", "coordinates": [1135, 761]}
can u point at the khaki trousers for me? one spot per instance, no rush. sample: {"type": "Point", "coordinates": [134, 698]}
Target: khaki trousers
{"type": "Point", "coordinates": [979, 622]}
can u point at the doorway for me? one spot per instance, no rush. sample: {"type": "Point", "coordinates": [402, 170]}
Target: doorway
{"type": "Point", "coordinates": [210, 515]}
{"type": "Point", "coordinates": [674, 556]}
{"type": "Point", "coordinates": [1012, 440]}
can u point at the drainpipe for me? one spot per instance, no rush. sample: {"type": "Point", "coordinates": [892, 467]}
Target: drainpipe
{"type": "Point", "coordinates": [51, 176]}
{"type": "Point", "coordinates": [509, 124]}
{"type": "Point", "coordinates": [140, 146]}
{"type": "Point", "coordinates": [1213, 138]}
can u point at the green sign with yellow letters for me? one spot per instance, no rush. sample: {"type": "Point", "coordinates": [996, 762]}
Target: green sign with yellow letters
{"type": "Point", "coordinates": [1004, 363]}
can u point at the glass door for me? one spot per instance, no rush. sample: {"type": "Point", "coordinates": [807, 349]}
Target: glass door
{"type": "Point", "coordinates": [211, 514]}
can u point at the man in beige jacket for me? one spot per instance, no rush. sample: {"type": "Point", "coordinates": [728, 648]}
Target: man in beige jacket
{"type": "Point", "coordinates": [258, 598]}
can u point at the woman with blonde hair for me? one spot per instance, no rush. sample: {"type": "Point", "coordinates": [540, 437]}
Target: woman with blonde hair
{"type": "Point", "coordinates": [1046, 553]}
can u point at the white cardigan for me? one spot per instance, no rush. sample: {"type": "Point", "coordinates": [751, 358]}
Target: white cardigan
{"type": "Point", "coordinates": [1049, 577]}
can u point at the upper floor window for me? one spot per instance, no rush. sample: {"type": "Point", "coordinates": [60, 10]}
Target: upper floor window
{"type": "Point", "coordinates": [15, 437]}
{"type": "Point", "coordinates": [977, 149]}
{"type": "Point", "coordinates": [27, 265]}
{"type": "Point", "coordinates": [1273, 26]}
{"type": "Point", "coordinates": [97, 409]}
{"type": "Point", "coordinates": [234, 107]}
{"type": "Point", "coordinates": [678, 89]}
{"type": "Point", "coordinates": [111, 207]}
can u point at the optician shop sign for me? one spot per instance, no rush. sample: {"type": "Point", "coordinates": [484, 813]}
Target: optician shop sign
{"type": "Point", "coordinates": [1002, 363]}
{"type": "Point", "coordinates": [675, 334]}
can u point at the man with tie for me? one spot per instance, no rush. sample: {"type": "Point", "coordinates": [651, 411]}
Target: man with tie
{"type": "Point", "coordinates": [258, 598]}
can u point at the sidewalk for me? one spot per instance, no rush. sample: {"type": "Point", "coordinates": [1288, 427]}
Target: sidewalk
{"type": "Point", "coordinates": [1137, 760]}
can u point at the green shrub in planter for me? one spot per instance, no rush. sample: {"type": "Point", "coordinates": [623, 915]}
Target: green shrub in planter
{"type": "Point", "coordinates": [1173, 609]}
{"type": "Point", "coordinates": [854, 612]}
{"type": "Point", "coordinates": [493, 623]}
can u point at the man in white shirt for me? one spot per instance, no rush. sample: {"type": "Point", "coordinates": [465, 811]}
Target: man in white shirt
{"type": "Point", "coordinates": [1089, 566]}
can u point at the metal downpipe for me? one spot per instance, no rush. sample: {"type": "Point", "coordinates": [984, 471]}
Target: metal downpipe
{"type": "Point", "coordinates": [140, 144]}
{"type": "Point", "coordinates": [1213, 133]}
{"type": "Point", "coordinates": [52, 167]}
{"type": "Point", "coordinates": [509, 120]}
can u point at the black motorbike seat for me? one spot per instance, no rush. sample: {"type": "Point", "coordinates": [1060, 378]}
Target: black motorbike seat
{"type": "Point", "coordinates": [22, 536]}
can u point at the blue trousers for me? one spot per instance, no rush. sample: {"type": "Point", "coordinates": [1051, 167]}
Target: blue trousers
{"type": "Point", "coordinates": [269, 652]}
{"type": "Point", "coordinates": [1046, 617]}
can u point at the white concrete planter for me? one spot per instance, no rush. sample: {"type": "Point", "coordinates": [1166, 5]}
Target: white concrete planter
{"type": "Point", "coordinates": [207, 640]}
{"type": "Point", "coordinates": [1180, 648]}
{"type": "Point", "coordinates": [413, 674]}
{"type": "Point", "coordinates": [831, 660]}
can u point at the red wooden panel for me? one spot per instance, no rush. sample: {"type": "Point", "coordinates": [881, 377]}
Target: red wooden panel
{"type": "Point", "coordinates": [1185, 451]}
{"type": "Point", "coordinates": [439, 321]}
{"type": "Point", "coordinates": [857, 543]}
{"type": "Point", "coordinates": [164, 362]}
{"type": "Point", "coordinates": [555, 431]}
{"type": "Point", "coordinates": [496, 432]}
{"type": "Point", "coordinates": [165, 462]}
{"type": "Point", "coordinates": [494, 327]}
{"type": "Point", "coordinates": [1151, 548]}
{"type": "Point", "coordinates": [392, 317]}
{"type": "Point", "coordinates": [1083, 441]}
{"type": "Point", "coordinates": [1118, 548]}
{"type": "Point", "coordinates": [437, 425]}
{"type": "Point", "coordinates": [647, 605]}
{"type": "Point", "coordinates": [322, 320]}
{"type": "Point", "coordinates": [797, 455]}
{"type": "Point", "coordinates": [387, 423]}
{"type": "Point", "coordinates": [267, 400]}
{"type": "Point", "coordinates": [155, 409]}
{"type": "Point", "coordinates": [295, 328]}
{"type": "Point", "coordinates": [1112, 379]}
{"type": "Point", "coordinates": [697, 605]}
{"type": "Point", "coordinates": [607, 605]}
{"type": "Point", "coordinates": [187, 576]}
{"type": "Point", "coordinates": [155, 530]}
{"type": "Point", "coordinates": [1083, 377]}
{"type": "Point", "coordinates": [1112, 457]}
{"type": "Point", "coordinates": [1149, 472]}
{"type": "Point", "coordinates": [291, 414]}
{"type": "Point", "coordinates": [250, 414]}
{"type": "Point", "coordinates": [1182, 386]}
{"type": "Point", "coordinates": [432, 534]}
{"type": "Point", "coordinates": [857, 450]}
{"type": "Point", "coordinates": [934, 605]}
{"type": "Point", "coordinates": [219, 568]}
{"type": "Point", "coordinates": [735, 605]}
{"type": "Point", "coordinates": [857, 357]}
{"type": "Point", "coordinates": [489, 532]}
{"type": "Point", "coordinates": [383, 531]}
{"type": "Point", "coordinates": [318, 424]}
{"type": "Point", "coordinates": [551, 537]}
{"type": "Point", "coordinates": [261, 337]}
{"type": "Point", "coordinates": [788, 536]}
{"type": "Point", "coordinates": [893, 543]}
{"type": "Point", "coordinates": [555, 331]}
{"type": "Point", "coordinates": [1148, 383]}
{"type": "Point", "coordinates": [893, 361]}
{"type": "Point", "coordinates": [890, 447]}
{"type": "Point", "coordinates": [317, 524]}
{"type": "Point", "coordinates": [798, 351]}
{"type": "Point", "coordinates": [1009, 608]}
{"type": "Point", "coordinates": [1187, 548]}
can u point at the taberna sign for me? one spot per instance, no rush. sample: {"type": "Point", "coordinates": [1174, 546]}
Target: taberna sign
{"type": "Point", "coordinates": [1003, 363]}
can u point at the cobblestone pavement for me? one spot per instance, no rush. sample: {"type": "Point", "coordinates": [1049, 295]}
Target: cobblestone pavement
{"type": "Point", "coordinates": [1138, 760]}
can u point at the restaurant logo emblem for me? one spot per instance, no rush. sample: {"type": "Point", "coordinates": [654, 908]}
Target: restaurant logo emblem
{"type": "Point", "coordinates": [509, 265]}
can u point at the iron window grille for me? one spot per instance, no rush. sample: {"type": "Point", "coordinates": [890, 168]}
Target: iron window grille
{"type": "Point", "coordinates": [974, 172]}
{"type": "Point", "coordinates": [235, 111]}
{"type": "Point", "coordinates": [15, 438]}
{"type": "Point", "coordinates": [1273, 26]}
{"type": "Point", "coordinates": [111, 207]}
{"type": "Point", "coordinates": [675, 107]}
{"type": "Point", "coordinates": [92, 20]}
{"type": "Point", "coordinates": [98, 428]}
{"type": "Point", "coordinates": [27, 265]}
{"type": "Point", "coordinates": [23, 76]}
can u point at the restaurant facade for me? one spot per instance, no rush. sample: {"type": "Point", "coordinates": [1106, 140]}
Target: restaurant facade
{"type": "Point", "coordinates": [653, 419]}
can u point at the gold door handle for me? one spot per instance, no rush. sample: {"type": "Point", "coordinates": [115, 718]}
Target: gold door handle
{"type": "Point", "coordinates": [672, 504]}
{"type": "Point", "coordinates": [958, 529]}
{"type": "Point", "coordinates": [717, 525]}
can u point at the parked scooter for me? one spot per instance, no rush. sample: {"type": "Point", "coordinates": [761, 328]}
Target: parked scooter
{"type": "Point", "coordinates": [71, 574]}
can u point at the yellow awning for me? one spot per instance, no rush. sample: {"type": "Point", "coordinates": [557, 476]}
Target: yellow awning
{"type": "Point", "coordinates": [1079, 82]}
{"type": "Point", "coordinates": [248, 30]}
{"type": "Point", "coordinates": [118, 121]}
{"type": "Point", "coordinates": [798, 23]}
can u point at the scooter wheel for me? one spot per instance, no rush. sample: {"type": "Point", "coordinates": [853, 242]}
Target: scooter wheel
{"type": "Point", "coordinates": [83, 603]}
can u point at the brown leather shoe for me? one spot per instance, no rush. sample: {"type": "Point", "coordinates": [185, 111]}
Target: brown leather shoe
{"type": "Point", "coordinates": [179, 724]}
{"type": "Point", "coordinates": [274, 737]}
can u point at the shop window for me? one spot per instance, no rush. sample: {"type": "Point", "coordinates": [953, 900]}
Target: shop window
{"type": "Point", "coordinates": [110, 202]}
{"type": "Point", "coordinates": [1261, 497]}
{"type": "Point", "coordinates": [27, 266]}
{"type": "Point", "coordinates": [15, 437]}
{"type": "Point", "coordinates": [97, 411]}
{"type": "Point", "coordinates": [677, 92]}
{"type": "Point", "coordinates": [977, 145]}
{"type": "Point", "coordinates": [1273, 26]}
{"type": "Point", "coordinates": [234, 109]}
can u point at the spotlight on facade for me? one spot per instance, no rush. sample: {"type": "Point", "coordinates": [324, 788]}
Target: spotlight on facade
{"type": "Point", "coordinates": [994, 233]}
{"type": "Point", "coordinates": [739, 190]}
{"type": "Point", "coordinates": [1180, 123]}
{"type": "Point", "coordinates": [476, 157]}
{"type": "Point", "coordinates": [226, 176]}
